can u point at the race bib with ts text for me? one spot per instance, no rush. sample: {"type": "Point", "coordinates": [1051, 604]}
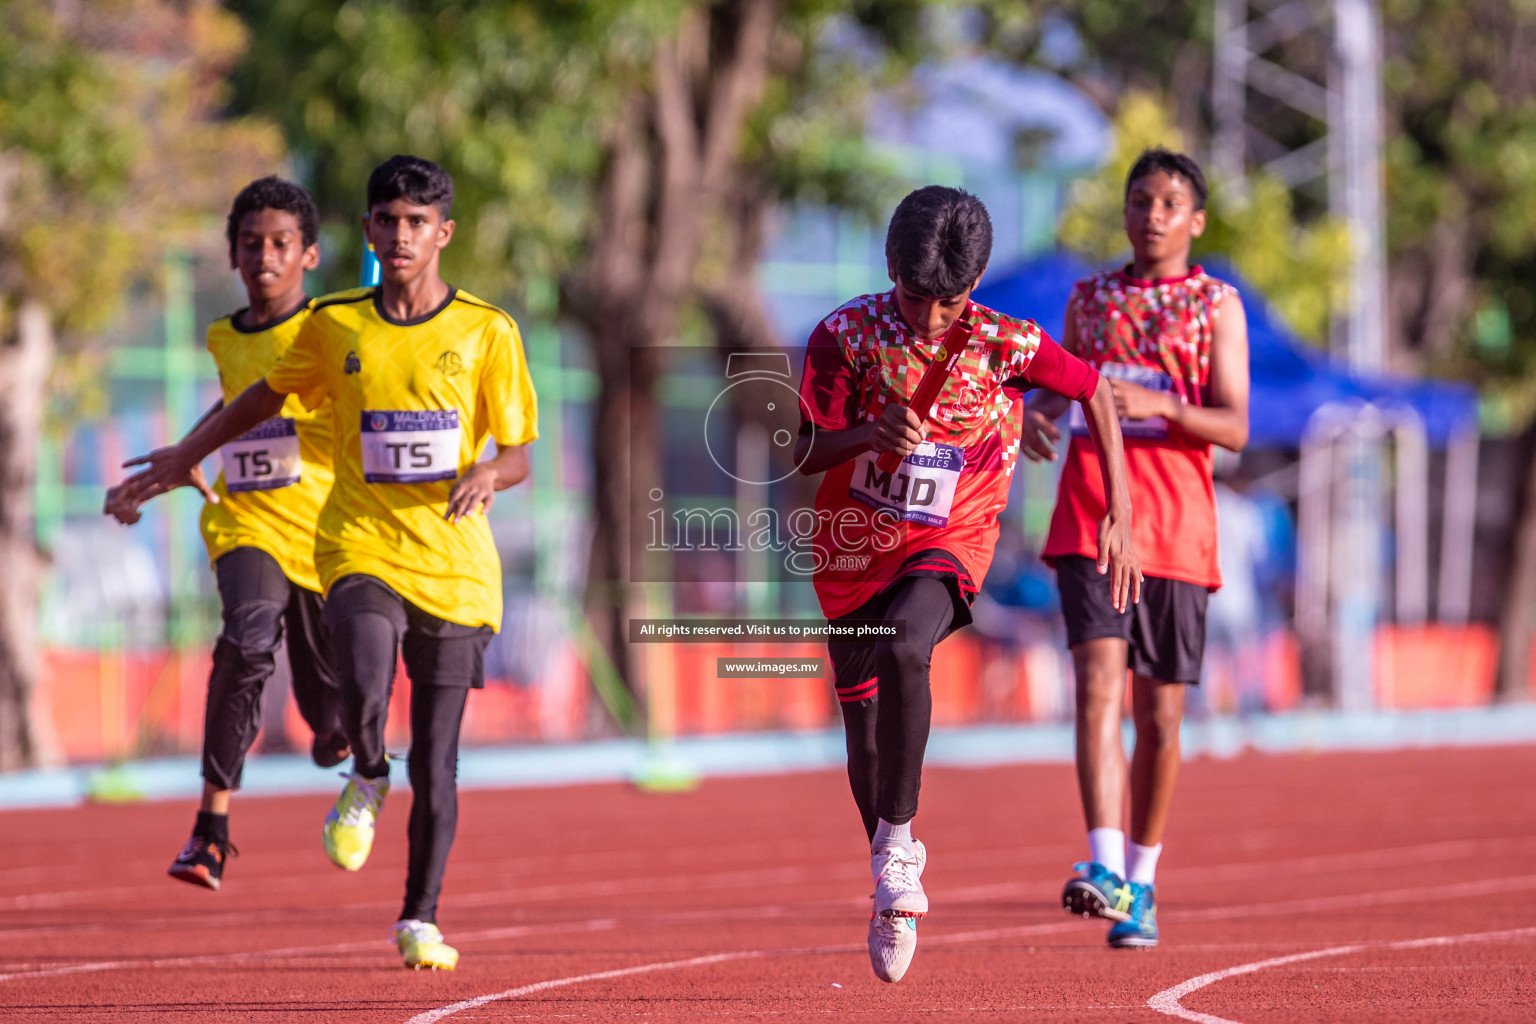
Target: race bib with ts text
{"type": "Point", "coordinates": [401, 447]}
{"type": "Point", "coordinates": [263, 458]}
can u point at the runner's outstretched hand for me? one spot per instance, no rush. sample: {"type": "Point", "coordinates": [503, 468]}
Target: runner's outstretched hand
{"type": "Point", "coordinates": [167, 471]}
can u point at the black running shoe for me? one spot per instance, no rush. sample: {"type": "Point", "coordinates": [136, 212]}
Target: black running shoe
{"type": "Point", "coordinates": [329, 749]}
{"type": "Point", "coordinates": [201, 861]}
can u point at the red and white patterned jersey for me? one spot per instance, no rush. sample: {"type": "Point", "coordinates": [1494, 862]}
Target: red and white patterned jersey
{"type": "Point", "coordinates": [1157, 334]}
{"type": "Point", "coordinates": [937, 513]}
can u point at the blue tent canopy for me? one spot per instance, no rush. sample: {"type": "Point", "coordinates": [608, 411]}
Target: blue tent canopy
{"type": "Point", "coordinates": [1290, 381]}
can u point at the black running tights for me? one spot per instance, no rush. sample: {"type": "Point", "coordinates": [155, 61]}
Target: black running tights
{"type": "Point", "coordinates": [370, 622]}
{"type": "Point", "coordinates": [887, 725]}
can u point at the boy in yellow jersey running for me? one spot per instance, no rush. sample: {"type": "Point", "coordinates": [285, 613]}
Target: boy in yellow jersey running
{"type": "Point", "coordinates": [419, 375]}
{"type": "Point", "coordinates": [259, 520]}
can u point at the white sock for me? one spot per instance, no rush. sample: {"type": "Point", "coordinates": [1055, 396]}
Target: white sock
{"type": "Point", "coordinates": [1143, 863]}
{"type": "Point", "coordinates": [887, 834]}
{"type": "Point", "coordinates": [1107, 846]}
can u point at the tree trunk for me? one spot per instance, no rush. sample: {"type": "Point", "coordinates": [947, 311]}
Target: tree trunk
{"type": "Point", "coordinates": [626, 466]}
{"type": "Point", "coordinates": [1517, 619]}
{"type": "Point", "coordinates": [732, 303]}
{"type": "Point", "coordinates": [672, 160]}
{"type": "Point", "coordinates": [24, 362]}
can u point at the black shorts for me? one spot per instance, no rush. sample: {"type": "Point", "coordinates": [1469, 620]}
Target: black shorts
{"type": "Point", "coordinates": [1166, 631]}
{"type": "Point", "coordinates": [436, 652]}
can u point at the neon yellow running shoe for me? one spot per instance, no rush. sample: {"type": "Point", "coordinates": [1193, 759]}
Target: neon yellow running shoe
{"type": "Point", "coordinates": [422, 945]}
{"type": "Point", "coordinates": [349, 827]}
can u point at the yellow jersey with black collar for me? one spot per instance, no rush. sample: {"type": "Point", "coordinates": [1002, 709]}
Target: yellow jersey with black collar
{"type": "Point", "coordinates": [413, 403]}
{"type": "Point", "coordinates": [274, 478]}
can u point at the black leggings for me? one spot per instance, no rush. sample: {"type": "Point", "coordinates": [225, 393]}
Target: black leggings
{"type": "Point", "coordinates": [261, 607]}
{"type": "Point", "coordinates": [882, 687]}
{"type": "Point", "coordinates": [370, 623]}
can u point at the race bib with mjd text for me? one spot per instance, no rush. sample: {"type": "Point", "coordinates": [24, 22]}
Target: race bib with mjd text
{"type": "Point", "coordinates": [922, 488]}
{"type": "Point", "coordinates": [263, 458]}
{"type": "Point", "coordinates": [401, 447]}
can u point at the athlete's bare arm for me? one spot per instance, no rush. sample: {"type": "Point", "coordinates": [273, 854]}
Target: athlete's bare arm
{"type": "Point", "coordinates": [172, 466]}
{"type": "Point", "coordinates": [897, 430]}
{"type": "Point", "coordinates": [476, 489]}
{"type": "Point", "coordinates": [1224, 420]}
{"type": "Point", "coordinates": [1043, 407]}
{"type": "Point", "coordinates": [1117, 554]}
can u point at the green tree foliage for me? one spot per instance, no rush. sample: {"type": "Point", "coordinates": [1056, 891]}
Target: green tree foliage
{"type": "Point", "coordinates": [1460, 87]}
{"type": "Point", "coordinates": [514, 99]}
{"type": "Point", "coordinates": [519, 100]}
{"type": "Point", "coordinates": [109, 145]}
{"type": "Point", "coordinates": [1301, 269]}
{"type": "Point", "coordinates": [109, 150]}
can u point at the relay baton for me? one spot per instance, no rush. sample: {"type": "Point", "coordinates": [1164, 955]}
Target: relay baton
{"type": "Point", "coordinates": [950, 351]}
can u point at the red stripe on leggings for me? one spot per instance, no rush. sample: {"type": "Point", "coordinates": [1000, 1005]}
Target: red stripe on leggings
{"type": "Point", "coordinates": [853, 694]}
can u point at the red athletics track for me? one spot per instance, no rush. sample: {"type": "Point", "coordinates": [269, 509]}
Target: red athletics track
{"type": "Point", "coordinates": [1293, 888]}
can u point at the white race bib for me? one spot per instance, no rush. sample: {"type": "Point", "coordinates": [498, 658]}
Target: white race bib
{"type": "Point", "coordinates": [263, 458]}
{"type": "Point", "coordinates": [1154, 427]}
{"type": "Point", "coordinates": [921, 490]}
{"type": "Point", "coordinates": [410, 447]}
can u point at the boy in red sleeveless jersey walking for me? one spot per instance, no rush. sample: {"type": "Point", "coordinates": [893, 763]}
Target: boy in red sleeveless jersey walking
{"type": "Point", "coordinates": [907, 509]}
{"type": "Point", "coordinates": [1174, 343]}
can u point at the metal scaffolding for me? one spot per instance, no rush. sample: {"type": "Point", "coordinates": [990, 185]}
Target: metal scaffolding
{"type": "Point", "coordinates": [1338, 610]}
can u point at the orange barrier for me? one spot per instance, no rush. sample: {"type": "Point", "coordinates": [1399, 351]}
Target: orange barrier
{"type": "Point", "coordinates": [107, 705]}
{"type": "Point", "coordinates": [103, 706]}
{"type": "Point", "coordinates": [115, 704]}
{"type": "Point", "coordinates": [1435, 666]}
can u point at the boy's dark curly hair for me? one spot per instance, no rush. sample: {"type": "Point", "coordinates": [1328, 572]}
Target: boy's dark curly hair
{"type": "Point", "coordinates": [419, 181]}
{"type": "Point", "coordinates": [939, 241]}
{"type": "Point", "coordinates": [274, 193]}
{"type": "Point", "coordinates": [1175, 165]}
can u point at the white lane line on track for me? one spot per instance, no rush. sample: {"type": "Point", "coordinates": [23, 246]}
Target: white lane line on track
{"type": "Point", "coordinates": [1169, 1002]}
{"type": "Point", "coordinates": [1425, 893]}
{"type": "Point", "coordinates": [432, 1016]}
{"type": "Point", "coordinates": [485, 934]}
{"type": "Point", "coordinates": [549, 892]}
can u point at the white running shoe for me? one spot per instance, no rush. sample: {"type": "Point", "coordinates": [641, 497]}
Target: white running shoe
{"type": "Point", "coordinates": [892, 941]}
{"type": "Point", "coordinates": [898, 879]}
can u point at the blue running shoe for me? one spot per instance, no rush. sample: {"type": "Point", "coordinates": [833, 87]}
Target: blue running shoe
{"type": "Point", "coordinates": [1097, 892]}
{"type": "Point", "coordinates": [1141, 930]}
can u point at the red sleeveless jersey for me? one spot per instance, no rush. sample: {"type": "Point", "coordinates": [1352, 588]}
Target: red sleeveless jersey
{"type": "Point", "coordinates": [937, 513]}
{"type": "Point", "coordinates": [1156, 334]}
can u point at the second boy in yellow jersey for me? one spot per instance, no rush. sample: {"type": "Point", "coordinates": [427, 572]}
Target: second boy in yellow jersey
{"type": "Point", "coordinates": [275, 479]}
{"type": "Point", "coordinates": [259, 520]}
{"type": "Point", "coordinates": [419, 376]}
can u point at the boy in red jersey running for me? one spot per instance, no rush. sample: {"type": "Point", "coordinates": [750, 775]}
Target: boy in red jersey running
{"type": "Point", "coordinates": [1174, 343]}
{"type": "Point", "coordinates": [907, 510]}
